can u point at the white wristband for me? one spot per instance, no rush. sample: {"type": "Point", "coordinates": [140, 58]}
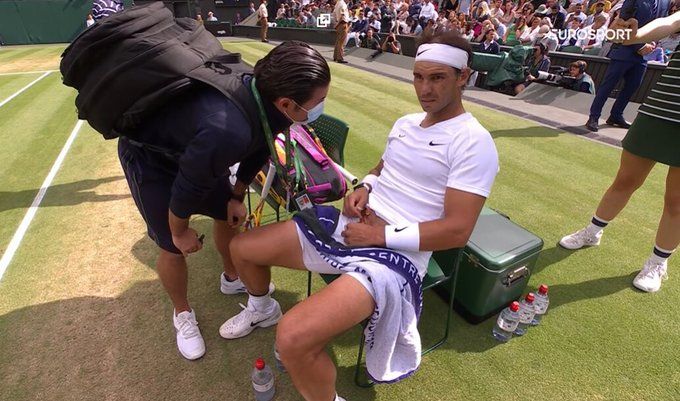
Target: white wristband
{"type": "Point", "coordinates": [406, 238]}
{"type": "Point", "coordinates": [371, 180]}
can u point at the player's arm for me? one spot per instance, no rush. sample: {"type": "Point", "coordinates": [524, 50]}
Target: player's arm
{"type": "Point", "coordinates": [655, 30]}
{"type": "Point", "coordinates": [461, 210]}
{"type": "Point", "coordinates": [356, 202]}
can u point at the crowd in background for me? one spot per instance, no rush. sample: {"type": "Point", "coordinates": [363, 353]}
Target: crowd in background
{"type": "Point", "coordinates": [564, 25]}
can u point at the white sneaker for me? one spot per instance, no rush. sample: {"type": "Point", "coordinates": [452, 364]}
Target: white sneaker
{"type": "Point", "coordinates": [189, 340]}
{"type": "Point", "coordinates": [236, 286]}
{"type": "Point", "coordinates": [650, 277]}
{"type": "Point", "coordinates": [242, 324]}
{"type": "Point", "coordinates": [581, 238]}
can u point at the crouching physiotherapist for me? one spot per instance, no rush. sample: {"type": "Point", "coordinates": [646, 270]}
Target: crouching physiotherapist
{"type": "Point", "coordinates": [383, 239]}
{"type": "Point", "coordinates": [209, 133]}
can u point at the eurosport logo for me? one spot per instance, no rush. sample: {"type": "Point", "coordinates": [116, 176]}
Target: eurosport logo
{"type": "Point", "coordinates": [612, 35]}
{"type": "Point", "coordinates": [323, 20]}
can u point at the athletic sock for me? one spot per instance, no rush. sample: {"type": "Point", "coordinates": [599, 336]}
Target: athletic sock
{"type": "Point", "coordinates": [263, 303]}
{"type": "Point", "coordinates": [596, 225]}
{"type": "Point", "coordinates": [660, 255]}
{"type": "Point", "coordinates": [227, 278]}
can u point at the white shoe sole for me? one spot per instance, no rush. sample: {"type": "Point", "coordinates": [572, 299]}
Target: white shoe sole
{"type": "Point", "coordinates": [267, 323]}
{"type": "Point", "coordinates": [272, 287]}
{"type": "Point", "coordinates": [645, 289]}
{"type": "Point", "coordinates": [190, 357]}
{"type": "Point", "coordinates": [580, 247]}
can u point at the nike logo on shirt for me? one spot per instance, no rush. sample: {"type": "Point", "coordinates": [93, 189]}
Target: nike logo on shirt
{"type": "Point", "coordinates": [436, 144]}
{"type": "Point", "coordinates": [396, 230]}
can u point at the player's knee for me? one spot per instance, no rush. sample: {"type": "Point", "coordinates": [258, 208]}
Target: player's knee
{"type": "Point", "coordinates": [627, 182]}
{"type": "Point", "coordinates": [292, 342]}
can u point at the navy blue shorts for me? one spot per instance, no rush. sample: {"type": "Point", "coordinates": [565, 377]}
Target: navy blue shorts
{"type": "Point", "coordinates": [150, 176]}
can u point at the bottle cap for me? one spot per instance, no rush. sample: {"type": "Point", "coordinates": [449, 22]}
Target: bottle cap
{"type": "Point", "coordinates": [530, 297]}
{"type": "Point", "coordinates": [514, 306]}
{"type": "Point", "coordinates": [543, 289]}
{"type": "Point", "coordinates": [259, 364]}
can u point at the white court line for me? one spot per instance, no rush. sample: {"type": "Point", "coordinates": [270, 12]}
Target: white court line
{"type": "Point", "coordinates": [24, 88]}
{"type": "Point", "coordinates": [25, 72]}
{"type": "Point", "coordinates": [23, 227]}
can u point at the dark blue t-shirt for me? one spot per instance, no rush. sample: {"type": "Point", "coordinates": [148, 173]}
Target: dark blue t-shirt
{"type": "Point", "coordinates": [211, 134]}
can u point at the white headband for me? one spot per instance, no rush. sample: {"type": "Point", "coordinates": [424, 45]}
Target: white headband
{"type": "Point", "coordinates": [442, 54]}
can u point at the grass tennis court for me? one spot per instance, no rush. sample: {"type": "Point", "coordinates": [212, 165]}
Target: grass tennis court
{"type": "Point", "coordinates": [84, 317]}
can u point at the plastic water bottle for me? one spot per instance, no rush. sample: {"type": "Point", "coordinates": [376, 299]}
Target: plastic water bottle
{"type": "Point", "coordinates": [506, 323]}
{"type": "Point", "coordinates": [526, 314]}
{"type": "Point", "coordinates": [540, 304]}
{"type": "Point", "coordinates": [279, 364]}
{"type": "Point", "coordinates": [263, 381]}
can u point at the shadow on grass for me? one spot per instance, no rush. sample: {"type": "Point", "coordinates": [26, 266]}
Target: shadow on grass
{"type": "Point", "coordinates": [123, 348]}
{"type": "Point", "coordinates": [534, 131]}
{"type": "Point", "coordinates": [72, 193]}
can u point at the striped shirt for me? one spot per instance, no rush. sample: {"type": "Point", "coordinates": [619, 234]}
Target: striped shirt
{"type": "Point", "coordinates": [664, 100]}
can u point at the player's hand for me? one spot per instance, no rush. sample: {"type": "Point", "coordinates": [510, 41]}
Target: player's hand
{"type": "Point", "coordinates": [360, 234]}
{"type": "Point", "coordinates": [188, 241]}
{"type": "Point", "coordinates": [236, 213]}
{"type": "Point", "coordinates": [355, 203]}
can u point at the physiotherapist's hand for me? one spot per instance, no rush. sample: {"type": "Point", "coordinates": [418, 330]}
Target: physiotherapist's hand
{"type": "Point", "coordinates": [187, 242]}
{"type": "Point", "coordinates": [626, 29]}
{"type": "Point", "coordinates": [355, 203]}
{"type": "Point", "coordinates": [646, 49]}
{"type": "Point", "coordinates": [360, 234]}
{"type": "Point", "coordinates": [236, 213]}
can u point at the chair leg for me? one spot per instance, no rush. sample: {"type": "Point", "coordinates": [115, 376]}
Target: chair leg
{"type": "Point", "coordinates": [359, 369]}
{"type": "Point", "coordinates": [309, 283]}
{"type": "Point", "coordinates": [452, 289]}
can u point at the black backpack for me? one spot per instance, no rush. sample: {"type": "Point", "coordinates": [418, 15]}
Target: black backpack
{"type": "Point", "coordinates": [128, 65]}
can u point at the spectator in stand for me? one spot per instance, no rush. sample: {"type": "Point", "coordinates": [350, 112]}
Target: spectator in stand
{"type": "Point", "coordinates": [669, 43]}
{"type": "Point", "coordinates": [584, 82]}
{"type": "Point", "coordinates": [606, 6]}
{"type": "Point", "coordinates": [495, 9]}
{"type": "Point", "coordinates": [557, 14]}
{"type": "Point", "coordinates": [389, 16]}
{"type": "Point", "coordinates": [595, 34]}
{"type": "Point", "coordinates": [199, 18]}
{"type": "Point", "coordinates": [500, 28]}
{"type": "Point", "coordinates": [528, 11]}
{"type": "Point", "coordinates": [427, 12]}
{"type": "Point", "coordinates": [374, 23]}
{"type": "Point", "coordinates": [482, 12]}
{"type": "Point", "coordinates": [490, 45]}
{"type": "Point", "coordinates": [539, 62]}
{"type": "Point", "coordinates": [547, 38]}
{"type": "Point", "coordinates": [251, 8]}
{"type": "Point", "coordinates": [516, 31]}
{"type": "Point", "coordinates": [464, 7]}
{"type": "Point", "coordinates": [486, 26]}
{"type": "Point", "coordinates": [508, 16]}
{"type": "Point", "coordinates": [281, 12]}
{"type": "Point", "coordinates": [359, 28]}
{"type": "Point", "coordinates": [391, 44]}
{"type": "Point", "coordinates": [599, 11]}
{"type": "Point", "coordinates": [569, 37]}
{"type": "Point", "coordinates": [578, 13]}
{"type": "Point", "coordinates": [89, 21]}
{"type": "Point", "coordinates": [402, 16]}
{"type": "Point", "coordinates": [414, 9]}
{"type": "Point", "coordinates": [530, 34]}
{"type": "Point", "coordinates": [430, 27]}
{"type": "Point", "coordinates": [211, 17]}
{"type": "Point", "coordinates": [371, 40]}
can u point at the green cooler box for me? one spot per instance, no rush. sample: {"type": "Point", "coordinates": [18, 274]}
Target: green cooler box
{"type": "Point", "coordinates": [495, 266]}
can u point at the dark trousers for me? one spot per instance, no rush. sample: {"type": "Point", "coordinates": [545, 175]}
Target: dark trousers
{"type": "Point", "coordinates": [632, 73]}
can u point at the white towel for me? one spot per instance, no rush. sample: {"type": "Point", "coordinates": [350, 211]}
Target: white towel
{"type": "Point", "coordinates": [392, 340]}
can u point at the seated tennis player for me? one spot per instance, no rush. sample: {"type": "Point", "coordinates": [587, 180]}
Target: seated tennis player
{"type": "Point", "coordinates": [425, 194]}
